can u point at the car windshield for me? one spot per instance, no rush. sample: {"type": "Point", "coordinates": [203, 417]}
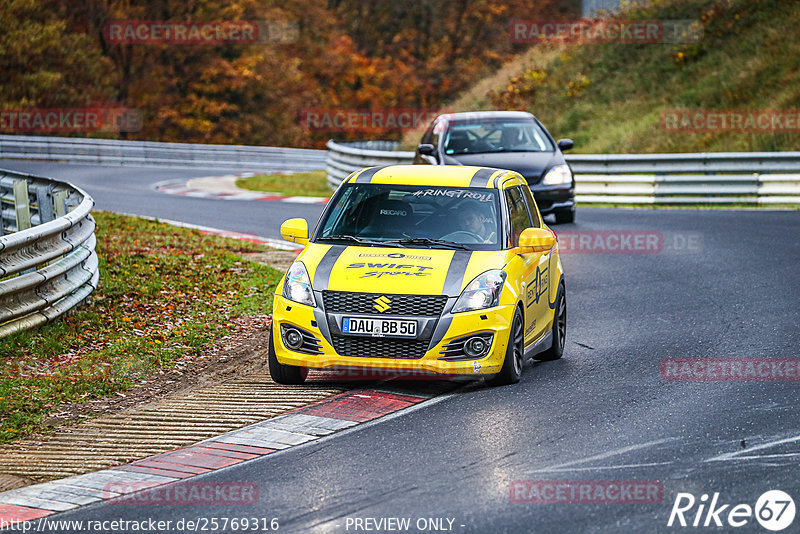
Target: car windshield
{"type": "Point", "coordinates": [412, 216]}
{"type": "Point", "coordinates": [480, 137]}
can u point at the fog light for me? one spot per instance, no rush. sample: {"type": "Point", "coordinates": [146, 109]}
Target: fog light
{"type": "Point", "coordinates": [293, 338]}
{"type": "Point", "coordinates": [475, 347]}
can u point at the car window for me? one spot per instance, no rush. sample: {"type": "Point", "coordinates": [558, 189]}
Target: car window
{"type": "Point", "coordinates": [427, 137]}
{"type": "Point", "coordinates": [532, 208]}
{"type": "Point", "coordinates": [494, 135]}
{"type": "Point", "coordinates": [384, 212]}
{"type": "Point", "coordinates": [517, 213]}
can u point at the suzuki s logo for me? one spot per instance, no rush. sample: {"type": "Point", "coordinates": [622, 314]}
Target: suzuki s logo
{"type": "Point", "coordinates": [382, 304]}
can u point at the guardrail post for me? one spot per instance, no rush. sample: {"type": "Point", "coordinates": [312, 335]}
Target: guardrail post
{"type": "Point", "coordinates": [22, 205]}
{"type": "Point", "coordinates": [44, 202]}
{"type": "Point", "coordinates": [60, 203]}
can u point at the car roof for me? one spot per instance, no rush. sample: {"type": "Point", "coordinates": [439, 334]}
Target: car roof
{"type": "Point", "coordinates": [437, 175]}
{"type": "Point", "coordinates": [486, 115]}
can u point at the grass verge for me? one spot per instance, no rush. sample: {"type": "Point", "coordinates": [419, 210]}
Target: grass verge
{"type": "Point", "coordinates": [610, 97]}
{"type": "Point", "coordinates": [308, 184]}
{"type": "Point", "coordinates": [165, 294]}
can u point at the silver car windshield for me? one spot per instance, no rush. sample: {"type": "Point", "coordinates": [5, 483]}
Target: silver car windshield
{"type": "Point", "coordinates": [413, 216]}
{"type": "Point", "coordinates": [496, 136]}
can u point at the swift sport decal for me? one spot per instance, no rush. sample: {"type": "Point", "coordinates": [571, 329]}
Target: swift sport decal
{"type": "Point", "coordinates": [392, 269]}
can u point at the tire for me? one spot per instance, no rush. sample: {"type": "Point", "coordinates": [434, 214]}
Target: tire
{"type": "Point", "coordinates": [559, 328]}
{"type": "Point", "coordinates": [511, 371]}
{"type": "Point", "coordinates": [565, 216]}
{"type": "Point", "coordinates": [288, 375]}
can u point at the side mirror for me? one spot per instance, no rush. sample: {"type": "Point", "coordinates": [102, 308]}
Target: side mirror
{"type": "Point", "coordinates": [537, 239]}
{"type": "Point", "coordinates": [426, 150]}
{"type": "Point", "coordinates": [295, 230]}
{"type": "Point", "coordinates": [565, 144]}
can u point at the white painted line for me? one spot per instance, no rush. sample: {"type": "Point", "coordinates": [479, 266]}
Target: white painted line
{"type": "Point", "coordinates": [604, 455]}
{"type": "Point", "coordinates": [739, 455]}
{"type": "Point", "coordinates": [602, 468]}
{"type": "Point", "coordinates": [305, 200]}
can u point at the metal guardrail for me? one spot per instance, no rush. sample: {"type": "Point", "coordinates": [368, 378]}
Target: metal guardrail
{"type": "Point", "coordinates": [704, 178]}
{"type": "Point", "coordinates": [48, 263]}
{"type": "Point", "coordinates": [156, 154]}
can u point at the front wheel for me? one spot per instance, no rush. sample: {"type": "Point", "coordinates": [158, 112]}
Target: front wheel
{"type": "Point", "coordinates": [283, 374]}
{"type": "Point", "coordinates": [559, 328]}
{"type": "Point", "coordinates": [511, 371]}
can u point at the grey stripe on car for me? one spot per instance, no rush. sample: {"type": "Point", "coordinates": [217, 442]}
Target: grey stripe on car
{"type": "Point", "coordinates": [366, 176]}
{"type": "Point", "coordinates": [481, 177]}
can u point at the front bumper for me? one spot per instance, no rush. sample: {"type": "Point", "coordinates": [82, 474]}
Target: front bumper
{"type": "Point", "coordinates": [447, 328]}
{"type": "Point", "coordinates": [551, 198]}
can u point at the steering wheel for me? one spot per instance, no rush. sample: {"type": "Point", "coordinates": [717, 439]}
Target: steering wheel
{"type": "Point", "coordinates": [453, 236]}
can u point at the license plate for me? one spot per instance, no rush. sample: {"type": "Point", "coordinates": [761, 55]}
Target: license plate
{"type": "Point", "coordinates": [379, 327]}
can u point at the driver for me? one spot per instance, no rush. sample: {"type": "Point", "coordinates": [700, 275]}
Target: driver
{"type": "Point", "coordinates": [472, 218]}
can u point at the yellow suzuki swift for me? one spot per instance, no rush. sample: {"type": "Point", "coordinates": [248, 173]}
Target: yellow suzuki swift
{"type": "Point", "coordinates": [438, 269]}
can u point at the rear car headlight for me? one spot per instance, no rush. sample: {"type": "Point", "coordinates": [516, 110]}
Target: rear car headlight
{"type": "Point", "coordinates": [297, 286]}
{"type": "Point", "coordinates": [560, 174]}
{"type": "Point", "coordinates": [483, 292]}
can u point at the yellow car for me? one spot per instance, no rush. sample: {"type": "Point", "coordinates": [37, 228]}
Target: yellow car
{"type": "Point", "coordinates": [443, 270]}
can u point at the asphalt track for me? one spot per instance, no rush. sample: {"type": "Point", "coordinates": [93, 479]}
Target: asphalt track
{"type": "Point", "coordinates": [132, 190]}
{"type": "Point", "coordinates": [602, 413]}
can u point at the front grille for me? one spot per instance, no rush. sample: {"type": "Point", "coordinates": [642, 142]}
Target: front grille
{"type": "Point", "coordinates": [364, 303]}
{"type": "Point", "coordinates": [375, 347]}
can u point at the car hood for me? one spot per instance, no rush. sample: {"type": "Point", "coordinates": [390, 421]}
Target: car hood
{"type": "Point", "coordinates": [397, 270]}
{"type": "Point", "coordinates": [531, 165]}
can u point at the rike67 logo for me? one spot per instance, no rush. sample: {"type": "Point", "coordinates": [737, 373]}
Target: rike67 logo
{"type": "Point", "coordinates": [774, 510]}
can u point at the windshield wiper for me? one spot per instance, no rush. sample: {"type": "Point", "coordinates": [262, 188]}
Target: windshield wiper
{"type": "Point", "coordinates": [360, 240]}
{"type": "Point", "coordinates": [427, 241]}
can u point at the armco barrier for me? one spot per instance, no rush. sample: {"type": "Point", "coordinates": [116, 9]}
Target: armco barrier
{"type": "Point", "coordinates": [155, 154]}
{"type": "Point", "coordinates": [705, 178]}
{"type": "Point", "coordinates": [48, 263]}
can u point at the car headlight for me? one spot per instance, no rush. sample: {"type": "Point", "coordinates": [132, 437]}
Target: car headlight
{"type": "Point", "coordinates": [483, 292]}
{"type": "Point", "coordinates": [560, 174]}
{"type": "Point", "coordinates": [297, 286]}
